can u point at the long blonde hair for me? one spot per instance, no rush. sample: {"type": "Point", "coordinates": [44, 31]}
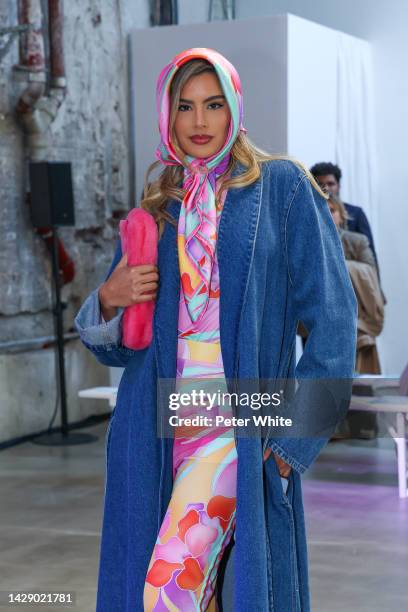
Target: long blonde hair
{"type": "Point", "coordinates": [167, 186]}
{"type": "Point", "coordinates": [338, 205]}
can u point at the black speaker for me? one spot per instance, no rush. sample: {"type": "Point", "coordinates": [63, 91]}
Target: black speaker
{"type": "Point", "coordinates": [52, 199]}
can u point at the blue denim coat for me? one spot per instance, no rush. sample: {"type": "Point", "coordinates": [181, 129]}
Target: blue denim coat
{"type": "Point", "coordinates": [280, 261]}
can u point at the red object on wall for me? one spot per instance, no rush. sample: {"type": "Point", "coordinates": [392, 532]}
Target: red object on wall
{"type": "Point", "coordinates": [66, 264]}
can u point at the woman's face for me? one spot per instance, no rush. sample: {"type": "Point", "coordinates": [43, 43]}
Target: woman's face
{"type": "Point", "coordinates": [203, 116]}
{"type": "Point", "coordinates": [335, 214]}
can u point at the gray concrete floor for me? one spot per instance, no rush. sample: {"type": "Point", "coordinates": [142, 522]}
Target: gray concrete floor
{"type": "Point", "coordinates": [51, 512]}
{"type": "Point", "coordinates": [358, 529]}
{"type": "Point", "coordinates": [50, 519]}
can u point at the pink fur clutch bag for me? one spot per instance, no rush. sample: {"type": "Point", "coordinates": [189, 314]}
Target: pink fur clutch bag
{"type": "Point", "coordinates": [139, 239]}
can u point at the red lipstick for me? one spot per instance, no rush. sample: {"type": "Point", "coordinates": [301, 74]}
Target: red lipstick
{"type": "Point", "coordinates": [200, 139]}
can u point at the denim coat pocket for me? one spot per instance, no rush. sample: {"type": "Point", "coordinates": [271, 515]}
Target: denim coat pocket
{"type": "Point", "coordinates": [286, 487]}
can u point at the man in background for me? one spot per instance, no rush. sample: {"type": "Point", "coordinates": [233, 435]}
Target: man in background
{"type": "Point", "coordinates": [328, 176]}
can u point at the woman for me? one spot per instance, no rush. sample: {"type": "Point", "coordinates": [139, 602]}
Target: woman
{"type": "Point", "coordinates": [236, 230]}
{"type": "Point", "coordinates": [363, 272]}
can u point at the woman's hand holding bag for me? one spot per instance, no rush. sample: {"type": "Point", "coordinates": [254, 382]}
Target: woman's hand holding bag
{"type": "Point", "coordinates": [139, 237]}
{"type": "Point", "coordinates": [133, 283]}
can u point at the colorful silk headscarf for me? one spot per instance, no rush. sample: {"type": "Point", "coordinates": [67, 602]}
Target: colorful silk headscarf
{"type": "Point", "coordinates": [197, 226]}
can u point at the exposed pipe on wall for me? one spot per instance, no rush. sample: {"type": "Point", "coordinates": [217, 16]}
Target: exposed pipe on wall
{"type": "Point", "coordinates": [43, 342]}
{"type": "Point", "coordinates": [31, 42]}
{"type": "Point", "coordinates": [32, 60]}
{"type": "Point", "coordinates": [37, 108]}
{"type": "Point", "coordinates": [56, 36]}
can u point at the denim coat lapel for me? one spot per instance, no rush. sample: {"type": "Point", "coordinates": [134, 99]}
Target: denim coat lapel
{"type": "Point", "coordinates": [235, 252]}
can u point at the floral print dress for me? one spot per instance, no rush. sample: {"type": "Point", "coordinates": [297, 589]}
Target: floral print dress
{"type": "Point", "coordinates": [200, 518]}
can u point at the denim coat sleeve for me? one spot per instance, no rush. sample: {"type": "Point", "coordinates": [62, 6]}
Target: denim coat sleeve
{"type": "Point", "coordinates": [103, 339]}
{"type": "Point", "coordinates": [322, 297]}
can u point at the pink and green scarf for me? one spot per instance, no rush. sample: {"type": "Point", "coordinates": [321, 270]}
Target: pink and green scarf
{"type": "Point", "coordinates": [197, 226]}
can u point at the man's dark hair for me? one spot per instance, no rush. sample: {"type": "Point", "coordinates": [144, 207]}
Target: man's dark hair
{"type": "Point", "coordinates": [325, 168]}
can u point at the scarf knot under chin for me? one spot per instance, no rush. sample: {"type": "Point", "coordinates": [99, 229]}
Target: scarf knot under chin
{"type": "Point", "coordinates": [197, 166]}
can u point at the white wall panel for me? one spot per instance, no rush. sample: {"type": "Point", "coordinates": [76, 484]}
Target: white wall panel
{"type": "Point", "coordinates": [258, 49]}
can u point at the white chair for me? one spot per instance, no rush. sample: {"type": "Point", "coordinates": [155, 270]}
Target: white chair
{"type": "Point", "coordinates": [391, 398]}
{"type": "Point", "coordinates": [105, 393]}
